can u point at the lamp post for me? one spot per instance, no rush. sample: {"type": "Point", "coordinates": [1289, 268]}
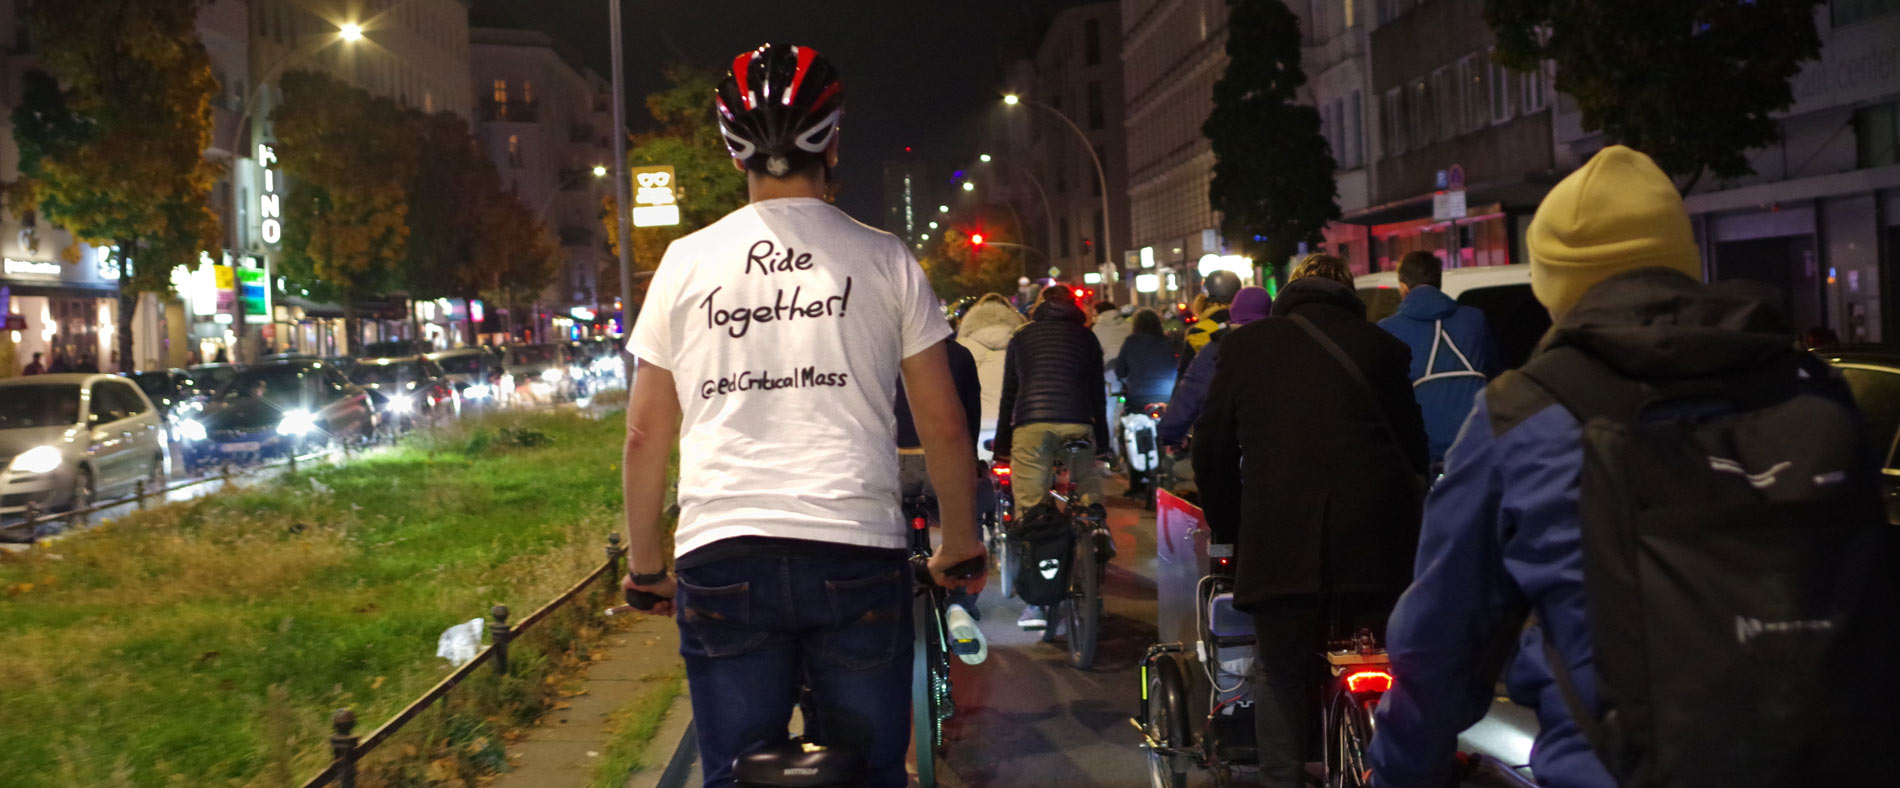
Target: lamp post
{"type": "Point", "coordinates": [1048, 214]}
{"type": "Point", "coordinates": [1101, 175]}
{"type": "Point", "coordinates": [599, 171]}
{"type": "Point", "coordinates": [623, 209]}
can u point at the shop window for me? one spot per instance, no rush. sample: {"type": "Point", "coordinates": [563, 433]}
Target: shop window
{"type": "Point", "coordinates": [1847, 12]}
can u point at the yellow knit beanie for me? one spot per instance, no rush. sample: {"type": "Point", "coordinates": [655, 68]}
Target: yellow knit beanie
{"type": "Point", "coordinates": [1618, 213]}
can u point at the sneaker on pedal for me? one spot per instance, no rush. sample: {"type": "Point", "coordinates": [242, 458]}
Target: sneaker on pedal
{"type": "Point", "coordinates": [966, 640]}
{"type": "Point", "coordinates": [1033, 618]}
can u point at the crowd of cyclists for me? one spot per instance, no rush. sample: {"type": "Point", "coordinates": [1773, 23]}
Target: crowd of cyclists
{"type": "Point", "coordinates": [1668, 471]}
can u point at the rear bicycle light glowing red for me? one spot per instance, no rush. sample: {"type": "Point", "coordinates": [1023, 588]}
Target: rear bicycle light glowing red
{"type": "Point", "coordinates": [1369, 681]}
{"type": "Point", "coordinates": [918, 524]}
{"type": "Point", "coordinates": [1000, 470]}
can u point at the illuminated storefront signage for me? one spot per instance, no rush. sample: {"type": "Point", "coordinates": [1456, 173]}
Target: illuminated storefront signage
{"type": "Point", "coordinates": [270, 204]}
{"type": "Point", "coordinates": [31, 267]}
{"type": "Point", "coordinates": [254, 291]}
{"type": "Point", "coordinates": [224, 278]}
{"type": "Point", "coordinates": [653, 203]}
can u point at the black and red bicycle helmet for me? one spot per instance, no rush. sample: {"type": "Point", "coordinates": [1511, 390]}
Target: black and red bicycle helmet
{"type": "Point", "coordinates": [780, 108]}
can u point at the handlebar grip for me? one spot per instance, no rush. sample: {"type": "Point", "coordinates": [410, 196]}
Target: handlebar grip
{"type": "Point", "coordinates": [642, 600]}
{"type": "Point", "coordinates": [968, 569]}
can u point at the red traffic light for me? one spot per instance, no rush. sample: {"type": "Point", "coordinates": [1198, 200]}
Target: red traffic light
{"type": "Point", "coordinates": [976, 239]}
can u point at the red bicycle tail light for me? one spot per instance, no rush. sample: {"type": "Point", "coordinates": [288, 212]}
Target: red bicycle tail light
{"type": "Point", "coordinates": [1001, 470]}
{"type": "Point", "coordinates": [1369, 681]}
{"type": "Point", "coordinates": [918, 524]}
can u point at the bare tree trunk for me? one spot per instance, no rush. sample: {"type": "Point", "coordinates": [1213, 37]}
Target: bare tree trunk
{"type": "Point", "coordinates": [128, 309]}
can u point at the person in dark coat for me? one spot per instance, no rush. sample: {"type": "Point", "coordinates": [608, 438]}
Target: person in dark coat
{"type": "Point", "coordinates": [1184, 404]}
{"type": "Point", "coordinates": [1324, 509]}
{"type": "Point", "coordinates": [35, 367]}
{"type": "Point", "coordinates": [60, 364]}
{"type": "Point", "coordinates": [1146, 363]}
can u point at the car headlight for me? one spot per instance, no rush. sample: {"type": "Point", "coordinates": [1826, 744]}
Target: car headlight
{"type": "Point", "coordinates": [400, 404]}
{"type": "Point", "coordinates": [550, 375]}
{"type": "Point", "coordinates": [476, 391]}
{"type": "Point", "coordinates": [191, 430]}
{"type": "Point", "coordinates": [297, 422]}
{"type": "Point", "coordinates": [39, 459]}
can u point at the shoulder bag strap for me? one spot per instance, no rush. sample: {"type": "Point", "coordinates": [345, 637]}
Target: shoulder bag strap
{"type": "Point", "coordinates": [1366, 392]}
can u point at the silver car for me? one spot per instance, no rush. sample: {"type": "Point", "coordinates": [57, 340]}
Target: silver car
{"type": "Point", "coordinates": [69, 440]}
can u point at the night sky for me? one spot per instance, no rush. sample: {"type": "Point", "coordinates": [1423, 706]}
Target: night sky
{"type": "Point", "coordinates": [922, 73]}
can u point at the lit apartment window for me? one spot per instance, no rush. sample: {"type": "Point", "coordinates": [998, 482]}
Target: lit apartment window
{"type": "Point", "coordinates": [428, 102]}
{"type": "Point", "coordinates": [514, 151]}
{"type": "Point", "coordinates": [501, 91]}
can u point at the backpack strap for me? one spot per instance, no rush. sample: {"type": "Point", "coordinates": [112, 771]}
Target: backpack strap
{"type": "Point", "coordinates": [1367, 395]}
{"type": "Point", "coordinates": [1587, 720]}
{"type": "Point", "coordinates": [1586, 387]}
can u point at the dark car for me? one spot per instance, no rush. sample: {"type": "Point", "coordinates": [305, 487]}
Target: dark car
{"type": "Point", "coordinates": [1873, 372]}
{"type": "Point", "coordinates": [174, 391]}
{"type": "Point", "coordinates": [408, 391]}
{"type": "Point", "coordinates": [477, 375]}
{"type": "Point", "coordinates": [279, 408]}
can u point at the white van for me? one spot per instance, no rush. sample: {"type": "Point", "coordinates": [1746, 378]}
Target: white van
{"type": "Point", "coordinates": [1502, 292]}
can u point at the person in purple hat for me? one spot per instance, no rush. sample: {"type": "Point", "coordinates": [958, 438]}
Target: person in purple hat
{"type": "Point", "coordinates": [1250, 304]}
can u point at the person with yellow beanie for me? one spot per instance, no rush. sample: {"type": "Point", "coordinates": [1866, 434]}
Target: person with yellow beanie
{"type": "Point", "coordinates": [1619, 213]}
{"type": "Point", "coordinates": [1613, 259]}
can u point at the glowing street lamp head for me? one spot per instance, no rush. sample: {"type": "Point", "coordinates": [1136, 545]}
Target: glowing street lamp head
{"type": "Point", "coordinates": [968, 186]}
{"type": "Point", "coordinates": [600, 170]}
{"type": "Point", "coordinates": [1011, 99]}
{"type": "Point", "coordinates": [943, 209]}
{"type": "Point", "coordinates": [351, 31]}
{"type": "Point", "coordinates": [985, 158]}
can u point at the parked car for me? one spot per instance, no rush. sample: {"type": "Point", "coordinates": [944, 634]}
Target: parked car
{"type": "Point", "coordinates": [174, 391]}
{"type": "Point", "coordinates": [1873, 372]}
{"type": "Point", "coordinates": [212, 378]}
{"type": "Point", "coordinates": [67, 440]}
{"type": "Point", "coordinates": [408, 391]}
{"type": "Point", "coordinates": [1502, 292]}
{"type": "Point", "coordinates": [279, 408]}
{"type": "Point", "coordinates": [478, 376]}
{"type": "Point", "coordinates": [540, 371]}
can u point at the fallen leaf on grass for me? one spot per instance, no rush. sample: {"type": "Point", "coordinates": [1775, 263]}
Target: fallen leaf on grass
{"type": "Point", "coordinates": [376, 683]}
{"type": "Point", "coordinates": [559, 705]}
{"type": "Point", "coordinates": [441, 770]}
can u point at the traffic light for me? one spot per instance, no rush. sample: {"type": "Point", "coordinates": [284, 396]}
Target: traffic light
{"type": "Point", "coordinates": [976, 240]}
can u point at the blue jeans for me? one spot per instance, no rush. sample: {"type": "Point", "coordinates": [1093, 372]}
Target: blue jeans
{"type": "Point", "coordinates": [754, 630]}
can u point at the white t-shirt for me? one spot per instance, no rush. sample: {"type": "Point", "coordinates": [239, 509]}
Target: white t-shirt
{"type": "Point", "coordinates": [783, 325]}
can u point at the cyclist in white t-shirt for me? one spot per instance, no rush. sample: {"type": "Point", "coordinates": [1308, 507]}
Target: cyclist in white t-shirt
{"type": "Point", "coordinates": [770, 346]}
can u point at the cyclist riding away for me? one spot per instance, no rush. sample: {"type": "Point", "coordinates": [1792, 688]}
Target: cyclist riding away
{"type": "Point", "coordinates": [769, 348]}
{"type": "Point", "coordinates": [1052, 395]}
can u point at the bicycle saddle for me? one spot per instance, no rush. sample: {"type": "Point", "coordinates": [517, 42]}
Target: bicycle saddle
{"type": "Point", "coordinates": [1078, 446]}
{"type": "Point", "coordinates": [799, 764]}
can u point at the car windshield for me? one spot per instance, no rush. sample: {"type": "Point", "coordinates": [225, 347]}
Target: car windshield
{"type": "Point", "coordinates": [152, 383]}
{"type": "Point", "coordinates": [533, 355]}
{"type": "Point", "coordinates": [285, 385]}
{"type": "Point", "coordinates": [46, 405]}
{"type": "Point", "coordinates": [215, 378]}
{"type": "Point", "coordinates": [464, 364]}
{"type": "Point", "coordinates": [371, 373]}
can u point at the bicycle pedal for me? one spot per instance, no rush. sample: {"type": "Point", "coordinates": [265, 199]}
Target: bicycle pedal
{"type": "Point", "coordinates": [965, 647]}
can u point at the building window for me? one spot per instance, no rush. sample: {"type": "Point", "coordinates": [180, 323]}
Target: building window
{"type": "Point", "coordinates": [1062, 233]}
{"type": "Point", "coordinates": [1472, 114]}
{"type": "Point", "coordinates": [501, 91]}
{"type": "Point", "coordinates": [1355, 132]}
{"type": "Point", "coordinates": [1536, 91]}
{"type": "Point", "coordinates": [1445, 104]}
{"type": "Point", "coordinates": [428, 102]}
{"type": "Point", "coordinates": [527, 92]}
{"type": "Point", "coordinates": [514, 151]}
{"type": "Point", "coordinates": [1847, 12]}
{"type": "Point", "coordinates": [1503, 98]}
{"type": "Point", "coordinates": [1092, 42]}
{"type": "Point", "coordinates": [1101, 155]}
{"type": "Point", "coordinates": [1394, 121]}
{"type": "Point", "coordinates": [1095, 106]}
{"type": "Point", "coordinates": [1419, 105]}
{"type": "Point", "coordinates": [1877, 131]}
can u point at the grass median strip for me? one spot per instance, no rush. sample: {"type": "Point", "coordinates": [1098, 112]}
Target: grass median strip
{"type": "Point", "coordinates": [205, 643]}
{"type": "Point", "coordinates": [632, 731]}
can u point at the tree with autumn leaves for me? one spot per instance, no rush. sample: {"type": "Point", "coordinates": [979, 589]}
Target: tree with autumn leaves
{"type": "Point", "coordinates": [112, 148]}
{"type": "Point", "coordinates": [384, 199]}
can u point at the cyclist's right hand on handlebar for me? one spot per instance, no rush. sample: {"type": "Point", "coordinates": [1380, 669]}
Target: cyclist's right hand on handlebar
{"type": "Point", "coordinates": [655, 599]}
{"type": "Point", "coordinates": [943, 561]}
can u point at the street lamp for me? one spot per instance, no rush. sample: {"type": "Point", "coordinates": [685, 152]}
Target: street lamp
{"type": "Point", "coordinates": [1047, 213]}
{"type": "Point", "coordinates": [943, 209]}
{"type": "Point", "coordinates": [1108, 235]}
{"type": "Point", "coordinates": [968, 186]}
{"type": "Point", "coordinates": [351, 31]}
{"type": "Point", "coordinates": [985, 158]}
{"type": "Point", "coordinates": [599, 171]}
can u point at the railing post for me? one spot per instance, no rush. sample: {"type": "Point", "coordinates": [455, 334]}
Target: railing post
{"type": "Point", "coordinates": [225, 471]}
{"type": "Point", "coordinates": [613, 558]}
{"type": "Point", "coordinates": [141, 494]}
{"type": "Point", "coordinates": [503, 634]}
{"type": "Point", "coordinates": [343, 747]}
{"type": "Point", "coordinates": [32, 524]}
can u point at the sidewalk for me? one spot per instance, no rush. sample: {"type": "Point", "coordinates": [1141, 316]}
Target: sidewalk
{"type": "Point", "coordinates": [565, 748]}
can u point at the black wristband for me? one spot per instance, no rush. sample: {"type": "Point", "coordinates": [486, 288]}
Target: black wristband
{"type": "Point", "coordinates": [653, 579]}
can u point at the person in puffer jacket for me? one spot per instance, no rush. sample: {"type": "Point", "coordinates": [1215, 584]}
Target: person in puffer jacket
{"type": "Point", "coordinates": [1052, 394]}
{"type": "Point", "coordinates": [985, 332]}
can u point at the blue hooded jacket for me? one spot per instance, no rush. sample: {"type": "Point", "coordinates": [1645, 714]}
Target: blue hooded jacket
{"type": "Point", "coordinates": [1446, 400]}
{"type": "Point", "coordinates": [1502, 535]}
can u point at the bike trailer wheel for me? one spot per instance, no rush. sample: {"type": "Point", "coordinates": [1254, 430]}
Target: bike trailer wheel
{"type": "Point", "coordinates": [1166, 724]}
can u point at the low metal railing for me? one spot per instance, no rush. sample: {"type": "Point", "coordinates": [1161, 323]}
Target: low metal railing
{"type": "Point", "coordinates": [346, 748]}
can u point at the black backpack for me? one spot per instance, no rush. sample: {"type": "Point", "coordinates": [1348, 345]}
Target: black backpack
{"type": "Point", "coordinates": [1047, 541]}
{"type": "Point", "coordinates": [1739, 573]}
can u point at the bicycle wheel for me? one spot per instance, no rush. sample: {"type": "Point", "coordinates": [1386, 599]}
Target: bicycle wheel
{"type": "Point", "coordinates": [1348, 732]}
{"type": "Point", "coordinates": [1085, 603]}
{"type": "Point", "coordinates": [929, 686]}
{"type": "Point", "coordinates": [1163, 724]}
